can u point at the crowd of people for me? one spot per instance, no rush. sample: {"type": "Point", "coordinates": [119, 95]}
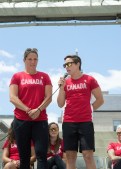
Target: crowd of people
{"type": "Point", "coordinates": [31, 138]}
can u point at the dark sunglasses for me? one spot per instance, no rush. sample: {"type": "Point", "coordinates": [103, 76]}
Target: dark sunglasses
{"type": "Point", "coordinates": [31, 50]}
{"type": "Point", "coordinates": [69, 64]}
{"type": "Point", "coordinates": [118, 133]}
{"type": "Point", "coordinates": [53, 129]}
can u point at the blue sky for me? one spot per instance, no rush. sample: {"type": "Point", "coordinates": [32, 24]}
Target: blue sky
{"type": "Point", "coordinates": [98, 46]}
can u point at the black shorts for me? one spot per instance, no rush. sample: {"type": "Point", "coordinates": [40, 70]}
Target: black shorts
{"type": "Point", "coordinates": [78, 136]}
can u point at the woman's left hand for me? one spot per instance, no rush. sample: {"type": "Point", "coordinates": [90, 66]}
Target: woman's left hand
{"type": "Point", "coordinates": [18, 163]}
{"type": "Point", "coordinates": [34, 113]}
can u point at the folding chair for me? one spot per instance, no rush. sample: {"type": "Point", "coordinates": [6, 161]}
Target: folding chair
{"type": "Point", "coordinates": [32, 166]}
{"type": "Point", "coordinates": [108, 163]}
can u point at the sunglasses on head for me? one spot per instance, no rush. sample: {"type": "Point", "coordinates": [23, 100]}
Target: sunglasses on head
{"type": "Point", "coordinates": [68, 64]}
{"type": "Point", "coordinates": [31, 50]}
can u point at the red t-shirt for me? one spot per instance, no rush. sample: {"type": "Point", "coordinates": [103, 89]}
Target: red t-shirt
{"type": "Point", "coordinates": [78, 95]}
{"type": "Point", "coordinates": [13, 150]}
{"type": "Point", "coordinates": [60, 151]}
{"type": "Point", "coordinates": [116, 147]}
{"type": "Point", "coordinates": [31, 91]}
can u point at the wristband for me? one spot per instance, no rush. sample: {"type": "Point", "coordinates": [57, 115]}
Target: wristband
{"type": "Point", "coordinates": [39, 109]}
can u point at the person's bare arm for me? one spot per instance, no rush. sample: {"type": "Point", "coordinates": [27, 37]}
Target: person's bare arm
{"type": "Point", "coordinates": [61, 94]}
{"type": "Point", "coordinates": [64, 157]}
{"type": "Point", "coordinates": [61, 98]}
{"type": "Point", "coordinates": [112, 155]}
{"type": "Point", "coordinates": [15, 99]}
{"type": "Point", "coordinates": [48, 97]}
{"type": "Point", "coordinates": [5, 155]}
{"type": "Point", "coordinates": [6, 159]}
{"type": "Point", "coordinates": [33, 155]}
{"type": "Point", "coordinates": [97, 93]}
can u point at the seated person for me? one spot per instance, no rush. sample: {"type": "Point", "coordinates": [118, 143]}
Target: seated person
{"type": "Point", "coordinates": [114, 150]}
{"type": "Point", "coordinates": [55, 156]}
{"type": "Point", "coordinates": [10, 156]}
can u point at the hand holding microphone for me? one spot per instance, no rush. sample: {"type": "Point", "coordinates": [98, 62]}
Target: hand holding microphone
{"type": "Point", "coordinates": [62, 80]}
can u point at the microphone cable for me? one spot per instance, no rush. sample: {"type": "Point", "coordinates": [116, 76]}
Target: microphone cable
{"type": "Point", "coordinates": [65, 75]}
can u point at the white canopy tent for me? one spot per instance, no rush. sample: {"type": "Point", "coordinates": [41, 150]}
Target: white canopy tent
{"type": "Point", "coordinates": [59, 12]}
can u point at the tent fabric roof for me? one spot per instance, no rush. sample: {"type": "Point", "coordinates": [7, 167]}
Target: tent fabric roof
{"type": "Point", "coordinates": [60, 11]}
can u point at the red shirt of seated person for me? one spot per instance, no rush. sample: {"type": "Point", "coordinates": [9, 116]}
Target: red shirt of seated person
{"type": "Point", "coordinates": [114, 150]}
{"type": "Point", "coordinates": [10, 156]}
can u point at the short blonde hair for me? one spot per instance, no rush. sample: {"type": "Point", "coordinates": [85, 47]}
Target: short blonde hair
{"type": "Point", "coordinates": [118, 127]}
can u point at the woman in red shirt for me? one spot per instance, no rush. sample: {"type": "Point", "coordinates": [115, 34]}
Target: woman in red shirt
{"type": "Point", "coordinates": [114, 150]}
{"type": "Point", "coordinates": [31, 93]}
{"type": "Point", "coordinates": [10, 154]}
{"type": "Point", "coordinates": [55, 156]}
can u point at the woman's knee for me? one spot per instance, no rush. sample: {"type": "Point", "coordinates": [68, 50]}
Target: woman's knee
{"type": "Point", "coordinates": [87, 155]}
{"type": "Point", "coordinates": [9, 165]}
{"type": "Point", "coordinates": [71, 156]}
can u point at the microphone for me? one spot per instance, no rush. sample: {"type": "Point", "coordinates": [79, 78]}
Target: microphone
{"type": "Point", "coordinates": [65, 75]}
